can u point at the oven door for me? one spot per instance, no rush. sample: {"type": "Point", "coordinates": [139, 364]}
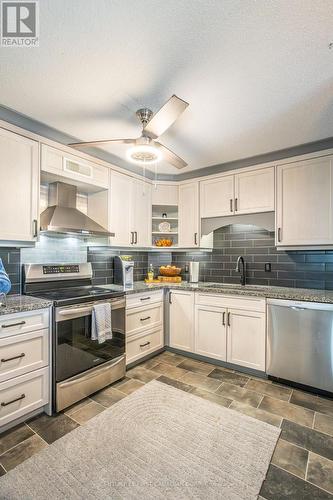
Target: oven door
{"type": "Point", "coordinates": [75, 352]}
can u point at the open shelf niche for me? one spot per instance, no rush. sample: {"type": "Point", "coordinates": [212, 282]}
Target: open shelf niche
{"type": "Point", "coordinates": [158, 216]}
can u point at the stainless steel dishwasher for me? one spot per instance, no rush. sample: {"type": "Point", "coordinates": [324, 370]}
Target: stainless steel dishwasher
{"type": "Point", "coordinates": [300, 343]}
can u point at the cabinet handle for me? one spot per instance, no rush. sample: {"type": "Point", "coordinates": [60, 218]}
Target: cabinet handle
{"type": "Point", "coordinates": [132, 236]}
{"type": "Point", "coordinates": [170, 301]}
{"type": "Point", "coordinates": [195, 238]}
{"type": "Point", "coordinates": [4, 360]}
{"type": "Point", "coordinates": [13, 400]}
{"type": "Point", "coordinates": [13, 324]}
{"type": "Point", "coordinates": [231, 202]}
{"type": "Point", "coordinates": [35, 226]}
{"type": "Point", "coordinates": [228, 318]}
{"type": "Point", "coordinates": [223, 318]}
{"type": "Point", "coordinates": [136, 237]}
{"type": "Point", "coordinates": [279, 235]}
{"type": "Point", "coordinates": [236, 204]}
{"type": "Point", "coordinates": [144, 298]}
{"type": "Point", "coordinates": [144, 345]}
{"type": "Point", "coordinates": [145, 319]}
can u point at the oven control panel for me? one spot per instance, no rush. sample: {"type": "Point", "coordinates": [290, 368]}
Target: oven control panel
{"type": "Point", "coordinates": [65, 269]}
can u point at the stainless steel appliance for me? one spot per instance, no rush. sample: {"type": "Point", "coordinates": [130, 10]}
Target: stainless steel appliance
{"type": "Point", "coordinates": [80, 366]}
{"type": "Point", "coordinates": [300, 343]}
{"type": "Point", "coordinates": [123, 272]}
{"type": "Point", "coordinates": [62, 216]}
{"type": "Point", "coordinates": [193, 274]}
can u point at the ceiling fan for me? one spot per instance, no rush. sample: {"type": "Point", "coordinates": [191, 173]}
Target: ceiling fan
{"type": "Point", "coordinates": [146, 149]}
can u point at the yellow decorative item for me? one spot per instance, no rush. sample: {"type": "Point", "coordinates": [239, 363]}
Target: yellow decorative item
{"type": "Point", "coordinates": [170, 279]}
{"type": "Point", "coordinates": [163, 242]}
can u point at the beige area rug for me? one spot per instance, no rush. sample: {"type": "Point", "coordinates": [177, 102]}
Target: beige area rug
{"type": "Point", "coordinates": [158, 443]}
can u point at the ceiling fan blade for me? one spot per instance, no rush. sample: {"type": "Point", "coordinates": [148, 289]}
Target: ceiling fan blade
{"type": "Point", "coordinates": [165, 116]}
{"type": "Point", "coordinates": [99, 143]}
{"type": "Point", "coordinates": [170, 156]}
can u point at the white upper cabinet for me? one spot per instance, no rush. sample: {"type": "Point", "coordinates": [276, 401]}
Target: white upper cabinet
{"type": "Point", "coordinates": [141, 213]}
{"type": "Point", "coordinates": [188, 213]}
{"type": "Point", "coordinates": [73, 167]}
{"type": "Point", "coordinates": [244, 193]}
{"type": "Point", "coordinates": [120, 209]}
{"type": "Point", "coordinates": [216, 196]}
{"type": "Point", "coordinates": [165, 194]}
{"type": "Point", "coordinates": [130, 211]}
{"type": "Point", "coordinates": [304, 203]}
{"type": "Point", "coordinates": [19, 187]}
{"type": "Point", "coordinates": [254, 191]}
{"type": "Point", "coordinates": [181, 322]}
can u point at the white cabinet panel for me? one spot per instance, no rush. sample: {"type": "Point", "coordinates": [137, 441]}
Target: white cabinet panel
{"type": "Point", "coordinates": [188, 215]}
{"type": "Point", "coordinates": [216, 196]}
{"type": "Point", "coordinates": [139, 346]}
{"type": "Point", "coordinates": [181, 313]}
{"type": "Point", "coordinates": [141, 213]}
{"type": "Point", "coordinates": [246, 339]}
{"type": "Point", "coordinates": [121, 192]}
{"type": "Point", "coordinates": [21, 395]}
{"type": "Point", "coordinates": [304, 203]}
{"type": "Point", "coordinates": [210, 332]}
{"type": "Point", "coordinates": [23, 353]}
{"type": "Point", "coordinates": [254, 191]}
{"type": "Point", "coordinates": [165, 194]}
{"type": "Point", "coordinates": [19, 187]}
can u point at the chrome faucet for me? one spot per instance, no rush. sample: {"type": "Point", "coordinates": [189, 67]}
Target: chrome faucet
{"type": "Point", "coordinates": [240, 268]}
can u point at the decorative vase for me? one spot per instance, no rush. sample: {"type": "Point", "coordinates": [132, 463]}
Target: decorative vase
{"type": "Point", "coordinates": [5, 284]}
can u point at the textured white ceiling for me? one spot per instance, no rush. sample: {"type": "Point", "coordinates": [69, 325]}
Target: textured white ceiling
{"type": "Point", "coordinates": [258, 74]}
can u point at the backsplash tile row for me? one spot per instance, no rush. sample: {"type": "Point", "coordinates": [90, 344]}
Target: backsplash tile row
{"type": "Point", "coordinates": [301, 269]}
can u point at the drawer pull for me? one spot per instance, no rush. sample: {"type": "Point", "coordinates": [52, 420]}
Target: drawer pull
{"type": "Point", "coordinates": [145, 298]}
{"type": "Point", "coordinates": [13, 324]}
{"type": "Point", "coordinates": [144, 345]}
{"type": "Point", "coordinates": [13, 400]}
{"type": "Point", "coordinates": [3, 360]}
{"type": "Point", "coordinates": [145, 319]}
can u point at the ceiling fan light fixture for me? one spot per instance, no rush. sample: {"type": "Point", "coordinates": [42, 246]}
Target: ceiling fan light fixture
{"type": "Point", "coordinates": [144, 154]}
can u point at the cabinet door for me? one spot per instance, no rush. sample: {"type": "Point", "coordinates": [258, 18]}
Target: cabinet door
{"type": "Point", "coordinates": [141, 213]}
{"type": "Point", "coordinates": [19, 187]}
{"type": "Point", "coordinates": [246, 338]}
{"type": "Point", "coordinates": [188, 213]}
{"type": "Point", "coordinates": [216, 197]}
{"type": "Point", "coordinates": [210, 332]}
{"type": "Point", "coordinates": [304, 203]}
{"type": "Point", "coordinates": [254, 191]}
{"type": "Point", "coordinates": [120, 209]}
{"type": "Point", "coordinates": [181, 322]}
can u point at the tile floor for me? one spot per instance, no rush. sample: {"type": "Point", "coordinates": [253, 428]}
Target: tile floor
{"type": "Point", "coordinates": [301, 467]}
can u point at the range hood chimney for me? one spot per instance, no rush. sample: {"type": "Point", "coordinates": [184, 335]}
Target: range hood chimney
{"type": "Point", "coordinates": [62, 216]}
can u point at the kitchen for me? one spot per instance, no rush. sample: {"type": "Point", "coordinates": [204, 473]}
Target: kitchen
{"type": "Point", "coordinates": [154, 306]}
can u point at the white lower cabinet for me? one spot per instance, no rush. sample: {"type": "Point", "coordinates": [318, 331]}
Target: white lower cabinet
{"type": "Point", "coordinates": [246, 338]}
{"type": "Point", "coordinates": [210, 337]}
{"type": "Point", "coordinates": [181, 320]}
{"type": "Point", "coordinates": [227, 328]}
{"type": "Point", "coordinates": [144, 325]}
{"type": "Point", "coordinates": [24, 364]}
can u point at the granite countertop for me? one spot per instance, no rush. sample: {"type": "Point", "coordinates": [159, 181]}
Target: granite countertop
{"type": "Point", "coordinates": [273, 292]}
{"type": "Point", "coordinates": [23, 303]}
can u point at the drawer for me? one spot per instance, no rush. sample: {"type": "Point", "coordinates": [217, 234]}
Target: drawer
{"type": "Point", "coordinates": [145, 298]}
{"type": "Point", "coordinates": [23, 353]}
{"type": "Point", "coordinates": [232, 301]}
{"type": "Point", "coordinates": [138, 319]}
{"type": "Point", "coordinates": [21, 395]}
{"type": "Point", "coordinates": [12, 324]}
{"type": "Point", "coordinates": [143, 344]}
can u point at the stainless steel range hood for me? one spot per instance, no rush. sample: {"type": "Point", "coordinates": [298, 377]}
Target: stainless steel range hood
{"type": "Point", "coordinates": [62, 216]}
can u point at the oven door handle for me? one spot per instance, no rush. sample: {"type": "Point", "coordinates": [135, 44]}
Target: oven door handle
{"type": "Point", "coordinates": [78, 310]}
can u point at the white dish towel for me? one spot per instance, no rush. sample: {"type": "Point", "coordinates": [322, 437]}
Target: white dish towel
{"type": "Point", "coordinates": [101, 325]}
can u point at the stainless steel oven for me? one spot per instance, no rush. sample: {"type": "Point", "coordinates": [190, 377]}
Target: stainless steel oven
{"type": "Point", "coordinates": [82, 365]}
